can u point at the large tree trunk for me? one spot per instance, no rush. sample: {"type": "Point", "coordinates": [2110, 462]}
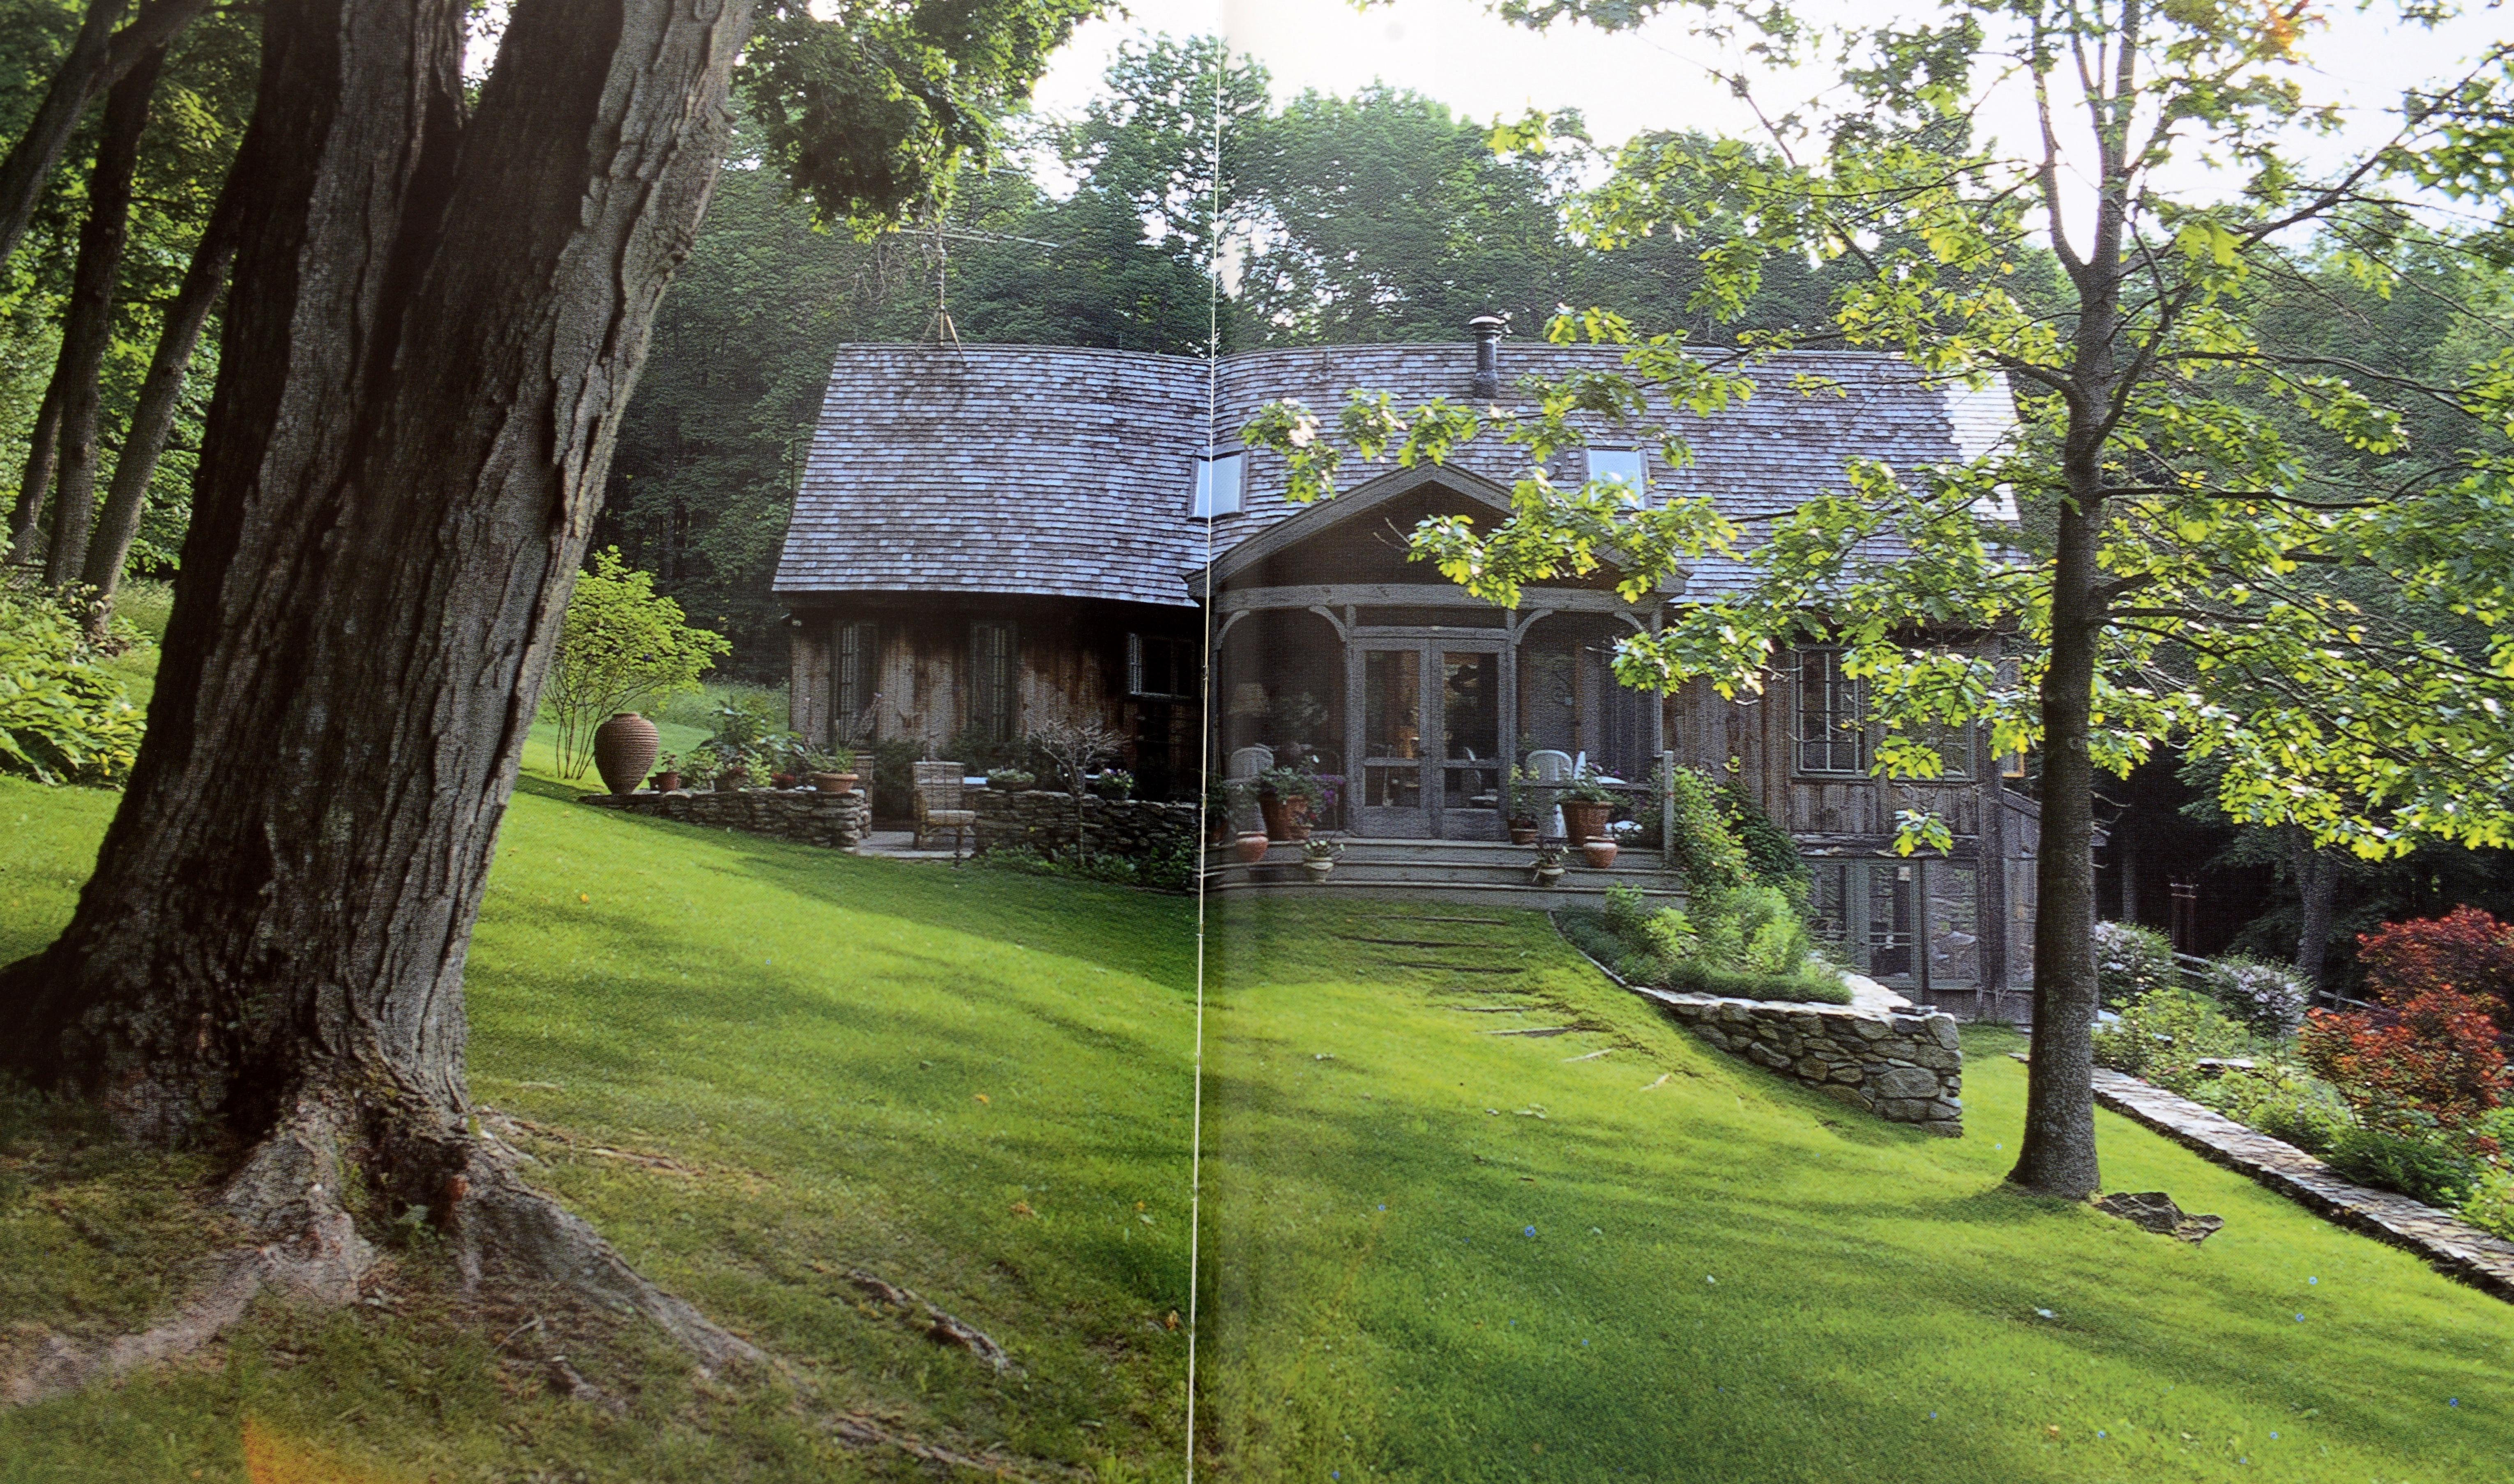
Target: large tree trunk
{"type": "Point", "coordinates": [433, 330]}
{"type": "Point", "coordinates": [153, 416]}
{"type": "Point", "coordinates": [87, 330]}
{"type": "Point", "coordinates": [97, 60]}
{"type": "Point", "coordinates": [35, 480]}
{"type": "Point", "coordinates": [2317, 885]}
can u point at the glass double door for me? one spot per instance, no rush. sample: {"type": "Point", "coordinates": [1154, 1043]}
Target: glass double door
{"type": "Point", "coordinates": [1427, 755]}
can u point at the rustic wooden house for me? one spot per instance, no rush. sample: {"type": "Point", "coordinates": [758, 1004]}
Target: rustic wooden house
{"type": "Point", "coordinates": [990, 535]}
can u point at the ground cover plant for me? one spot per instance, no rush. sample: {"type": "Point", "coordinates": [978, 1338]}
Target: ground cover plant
{"type": "Point", "coordinates": [758, 1066]}
{"type": "Point", "coordinates": [1747, 942]}
{"type": "Point", "coordinates": [1444, 1244]}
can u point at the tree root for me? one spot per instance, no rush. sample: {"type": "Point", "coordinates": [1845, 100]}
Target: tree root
{"type": "Point", "coordinates": [302, 1240]}
{"type": "Point", "coordinates": [939, 1325]}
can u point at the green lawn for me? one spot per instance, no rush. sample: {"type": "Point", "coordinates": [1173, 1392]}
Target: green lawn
{"type": "Point", "coordinates": [1440, 1252]}
{"type": "Point", "coordinates": [1728, 1278]}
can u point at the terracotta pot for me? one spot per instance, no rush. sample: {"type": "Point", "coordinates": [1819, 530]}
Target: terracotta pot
{"type": "Point", "coordinates": [1522, 834]}
{"type": "Point", "coordinates": [1250, 847]}
{"type": "Point", "coordinates": [624, 749]}
{"type": "Point", "coordinates": [834, 783]}
{"type": "Point", "coordinates": [1318, 870]}
{"type": "Point", "coordinates": [1286, 819]}
{"type": "Point", "coordinates": [667, 782]}
{"type": "Point", "coordinates": [1600, 854]}
{"type": "Point", "coordinates": [1585, 820]}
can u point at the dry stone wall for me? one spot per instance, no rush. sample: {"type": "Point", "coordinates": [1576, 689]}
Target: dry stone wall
{"type": "Point", "coordinates": [832, 821]}
{"type": "Point", "coordinates": [1907, 1068]}
{"type": "Point", "coordinates": [1138, 830]}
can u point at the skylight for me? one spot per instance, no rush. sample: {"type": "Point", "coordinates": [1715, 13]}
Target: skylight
{"type": "Point", "coordinates": [1627, 467]}
{"type": "Point", "coordinates": [1217, 486]}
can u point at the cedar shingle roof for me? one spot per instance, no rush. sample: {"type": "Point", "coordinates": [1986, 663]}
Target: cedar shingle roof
{"type": "Point", "coordinates": [1023, 469]}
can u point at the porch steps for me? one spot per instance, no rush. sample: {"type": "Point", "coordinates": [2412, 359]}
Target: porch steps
{"type": "Point", "coordinates": [1486, 872]}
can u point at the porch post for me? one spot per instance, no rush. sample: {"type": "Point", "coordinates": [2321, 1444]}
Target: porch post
{"type": "Point", "coordinates": [1666, 806]}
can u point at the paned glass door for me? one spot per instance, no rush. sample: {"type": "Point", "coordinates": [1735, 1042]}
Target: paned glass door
{"type": "Point", "coordinates": [1430, 755]}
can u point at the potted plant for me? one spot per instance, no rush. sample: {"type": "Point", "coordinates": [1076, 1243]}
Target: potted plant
{"type": "Point", "coordinates": [667, 772]}
{"type": "Point", "coordinates": [1288, 798]}
{"type": "Point", "coordinates": [1547, 868]}
{"type": "Point", "coordinates": [1223, 800]}
{"type": "Point", "coordinates": [1586, 801]}
{"type": "Point", "coordinates": [1011, 780]}
{"type": "Point", "coordinates": [1113, 783]}
{"type": "Point", "coordinates": [1523, 827]}
{"type": "Point", "coordinates": [1249, 845]}
{"type": "Point", "coordinates": [832, 770]}
{"type": "Point", "coordinates": [1318, 856]}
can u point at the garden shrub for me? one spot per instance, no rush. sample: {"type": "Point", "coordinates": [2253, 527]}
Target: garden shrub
{"type": "Point", "coordinates": [622, 647]}
{"type": "Point", "coordinates": [1703, 850]}
{"type": "Point", "coordinates": [2132, 963]}
{"type": "Point", "coordinates": [64, 717]}
{"type": "Point", "coordinates": [2422, 1168]}
{"type": "Point", "coordinates": [2433, 1058]}
{"type": "Point", "coordinates": [1665, 949]}
{"type": "Point", "coordinates": [2270, 998]}
{"type": "Point", "coordinates": [2466, 951]}
{"type": "Point", "coordinates": [2165, 1036]}
{"type": "Point", "coordinates": [2489, 1205]}
{"type": "Point", "coordinates": [1772, 855]}
{"type": "Point", "coordinates": [2283, 1102]}
{"type": "Point", "coordinates": [1169, 870]}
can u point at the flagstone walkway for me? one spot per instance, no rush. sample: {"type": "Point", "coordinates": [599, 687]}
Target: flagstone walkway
{"type": "Point", "coordinates": [2456, 1247]}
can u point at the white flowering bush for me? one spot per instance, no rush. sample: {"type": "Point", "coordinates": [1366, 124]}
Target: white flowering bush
{"type": "Point", "coordinates": [2132, 963]}
{"type": "Point", "coordinates": [2270, 998]}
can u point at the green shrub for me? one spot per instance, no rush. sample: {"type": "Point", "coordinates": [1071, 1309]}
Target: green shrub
{"type": "Point", "coordinates": [2163, 1036]}
{"type": "Point", "coordinates": [1641, 959]}
{"type": "Point", "coordinates": [2286, 1102]}
{"type": "Point", "coordinates": [64, 718]}
{"type": "Point", "coordinates": [2268, 997]}
{"type": "Point", "coordinates": [2422, 1168]}
{"type": "Point", "coordinates": [1627, 911]}
{"type": "Point", "coordinates": [1703, 849]}
{"type": "Point", "coordinates": [1772, 855]}
{"type": "Point", "coordinates": [2132, 963]}
{"type": "Point", "coordinates": [2489, 1205]}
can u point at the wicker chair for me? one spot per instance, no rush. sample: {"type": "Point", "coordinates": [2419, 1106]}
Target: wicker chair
{"type": "Point", "coordinates": [938, 807]}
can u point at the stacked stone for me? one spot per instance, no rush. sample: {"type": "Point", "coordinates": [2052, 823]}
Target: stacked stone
{"type": "Point", "coordinates": [1907, 1068]}
{"type": "Point", "coordinates": [1137, 829]}
{"type": "Point", "coordinates": [832, 821]}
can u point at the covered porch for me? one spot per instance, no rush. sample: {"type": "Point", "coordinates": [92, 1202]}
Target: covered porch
{"type": "Point", "coordinates": [1427, 712]}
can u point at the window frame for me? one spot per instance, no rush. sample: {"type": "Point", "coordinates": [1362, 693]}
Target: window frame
{"type": "Point", "coordinates": [1857, 731]}
{"type": "Point", "coordinates": [1201, 496]}
{"type": "Point", "coordinates": [1182, 655]}
{"type": "Point", "coordinates": [1640, 484]}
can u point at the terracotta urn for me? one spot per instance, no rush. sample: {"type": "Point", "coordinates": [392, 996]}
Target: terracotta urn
{"type": "Point", "coordinates": [1600, 854]}
{"type": "Point", "coordinates": [667, 782]}
{"type": "Point", "coordinates": [1522, 834]}
{"type": "Point", "coordinates": [834, 783]}
{"type": "Point", "coordinates": [1585, 820]}
{"type": "Point", "coordinates": [1286, 819]}
{"type": "Point", "coordinates": [624, 749]}
{"type": "Point", "coordinates": [1252, 847]}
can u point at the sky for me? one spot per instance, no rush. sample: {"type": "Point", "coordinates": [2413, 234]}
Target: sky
{"type": "Point", "coordinates": [1653, 78]}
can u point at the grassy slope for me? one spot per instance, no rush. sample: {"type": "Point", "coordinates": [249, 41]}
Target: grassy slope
{"type": "Point", "coordinates": [1381, 1312]}
{"type": "Point", "coordinates": [808, 1036]}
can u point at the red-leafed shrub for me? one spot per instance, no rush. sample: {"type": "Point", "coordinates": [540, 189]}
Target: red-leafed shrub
{"type": "Point", "coordinates": [2432, 1059]}
{"type": "Point", "coordinates": [2466, 951]}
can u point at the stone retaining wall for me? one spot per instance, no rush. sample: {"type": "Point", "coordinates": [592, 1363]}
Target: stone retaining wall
{"type": "Point", "coordinates": [833, 821]}
{"type": "Point", "coordinates": [1136, 828]}
{"type": "Point", "coordinates": [1907, 1068]}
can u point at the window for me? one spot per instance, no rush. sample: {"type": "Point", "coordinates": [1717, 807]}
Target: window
{"type": "Point", "coordinates": [1831, 737]}
{"type": "Point", "coordinates": [1164, 669]}
{"type": "Point", "coordinates": [854, 662]}
{"type": "Point", "coordinates": [1217, 486]}
{"type": "Point", "coordinates": [995, 699]}
{"type": "Point", "coordinates": [1627, 467]}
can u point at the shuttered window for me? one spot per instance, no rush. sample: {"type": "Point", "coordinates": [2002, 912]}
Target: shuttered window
{"type": "Point", "coordinates": [994, 696]}
{"type": "Point", "coordinates": [852, 663]}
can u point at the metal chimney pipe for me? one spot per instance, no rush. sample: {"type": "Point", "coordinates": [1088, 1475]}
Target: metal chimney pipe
{"type": "Point", "coordinates": [1487, 330]}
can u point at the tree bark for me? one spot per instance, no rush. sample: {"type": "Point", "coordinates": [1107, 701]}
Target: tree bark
{"type": "Point", "coordinates": [433, 330]}
{"type": "Point", "coordinates": [87, 330]}
{"type": "Point", "coordinates": [97, 60]}
{"type": "Point", "coordinates": [35, 480]}
{"type": "Point", "coordinates": [153, 416]}
{"type": "Point", "coordinates": [2317, 886]}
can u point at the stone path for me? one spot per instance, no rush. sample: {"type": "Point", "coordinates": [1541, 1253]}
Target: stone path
{"type": "Point", "coordinates": [2456, 1247]}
